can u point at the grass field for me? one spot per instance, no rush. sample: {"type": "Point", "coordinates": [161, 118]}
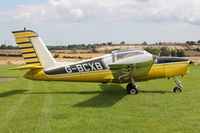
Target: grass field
{"type": "Point", "coordinates": [47, 107]}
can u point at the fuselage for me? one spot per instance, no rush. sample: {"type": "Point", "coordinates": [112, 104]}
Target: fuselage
{"type": "Point", "coordinates": [97, 70]}
{"type": "Point", "coordinates": [124, 66]}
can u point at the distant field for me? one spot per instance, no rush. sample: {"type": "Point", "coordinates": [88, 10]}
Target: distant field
{"type": "Point", "coordinates": [11, 57]}
{"type": "Point", "coordinates": [20, 60]}
{"type": "Point", "coordinates": [36, 106]}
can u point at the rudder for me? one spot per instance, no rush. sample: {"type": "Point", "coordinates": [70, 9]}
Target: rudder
{"type": "Point", "coordinates": [33, 49]}
{"type": "Point", "coordinates": [26, 47]}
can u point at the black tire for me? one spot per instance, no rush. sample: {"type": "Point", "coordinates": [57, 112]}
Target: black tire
{"type": "Point", "coordinates": [129, 86]}
{"type": "Point", "coordinates": [177, 89]}
{"type": "Point", "coordinates": [131, 89]}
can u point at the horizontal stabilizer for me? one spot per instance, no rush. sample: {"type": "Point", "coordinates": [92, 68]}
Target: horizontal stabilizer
{"type": "Point", "coordinates": [27, 67]}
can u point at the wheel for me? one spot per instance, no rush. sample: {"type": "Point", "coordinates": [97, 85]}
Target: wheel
{"type": "Point", "coordinates": [177, 89]}
{"type": "Point", "coordinates": [131, 89]}
{"type": "Point", "coordinates": [129, 86]}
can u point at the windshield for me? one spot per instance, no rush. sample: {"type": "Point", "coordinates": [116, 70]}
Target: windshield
{"type": "Point", "coordinates": [120, 55]}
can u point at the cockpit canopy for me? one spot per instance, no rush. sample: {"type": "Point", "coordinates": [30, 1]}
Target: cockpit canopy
{"type": "Point", "coordinates": [120, 55]}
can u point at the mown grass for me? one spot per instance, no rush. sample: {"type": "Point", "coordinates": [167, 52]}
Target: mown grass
{"type": "Point", "coordinates": [36, 106]}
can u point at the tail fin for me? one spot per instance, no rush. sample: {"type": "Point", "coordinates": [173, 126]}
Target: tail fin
{"type": "Point", "coordinates": [33, 49]}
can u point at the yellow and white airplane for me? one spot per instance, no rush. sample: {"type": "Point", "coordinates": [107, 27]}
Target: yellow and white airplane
{"type": "Point", "coordinates": [128, 66]}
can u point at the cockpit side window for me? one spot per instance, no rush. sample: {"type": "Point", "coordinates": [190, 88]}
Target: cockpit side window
{"type": "Point", "coordinates": [121, 56]}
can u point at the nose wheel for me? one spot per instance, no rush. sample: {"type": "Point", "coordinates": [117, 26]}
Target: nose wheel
{"type": "Point", "coordinates": [132, 88]}
{"type": "Point", "coordinates": [177, 89]}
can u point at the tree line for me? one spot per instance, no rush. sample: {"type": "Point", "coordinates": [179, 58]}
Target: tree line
{"type": "Point", "coordinates": [92, 46]}
{"type": "Point", "coordinates": [164, 51]}
{"type": "Point", "coordinates": [4, 46]}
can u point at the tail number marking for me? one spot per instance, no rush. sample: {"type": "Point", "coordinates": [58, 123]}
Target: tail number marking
{"type": "Point", "coordinates": [85, 67]}
{"type": "Point", "coordinates": [93, 65]}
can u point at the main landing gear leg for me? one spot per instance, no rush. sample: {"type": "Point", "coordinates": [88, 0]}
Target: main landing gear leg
{"type": "Point", "coordinates": [132, 88]}
{"type": "Point", "coordinates": [178, 88]}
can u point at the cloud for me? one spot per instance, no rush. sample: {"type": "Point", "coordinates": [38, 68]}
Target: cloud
{"type": "Point", "coordinates": [68, 12]}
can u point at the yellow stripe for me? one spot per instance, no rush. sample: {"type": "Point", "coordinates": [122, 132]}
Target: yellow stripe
{"type": "Point", "coordinates": [176, 63]}
{"type": "Point", "coordinates": [25, 45]}
{"type": "Point", "coordinates": [27, 50]}
{"type": "Point", "coordinates": [31, 60]}
{"type": "Point", "coordinates": [82, 73]}
{"type": "Point", "coordinates": [92, 74]}
{"type": "Point", "coordinates": [22, 40]}
{"type": "Point", "coordinates": [169, 64]}
{"type": "Point", "coordinates": [24, 34]}
{"type": "Point", "coordinates": [29, 55]}
{"type": "Point", "coordinates": [157, 65]}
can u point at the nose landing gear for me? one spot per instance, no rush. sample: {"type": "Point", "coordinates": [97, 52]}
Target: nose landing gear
{"type": "Point", "coordinates": [132, 88]}
{"type": "Point", "coordinates": [177, 89]}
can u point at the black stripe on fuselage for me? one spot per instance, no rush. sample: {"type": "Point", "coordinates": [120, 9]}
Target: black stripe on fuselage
{"type": "Point", "coordinates": [87, 66]}
{"type": "Point", "coordinates": [162, 60]}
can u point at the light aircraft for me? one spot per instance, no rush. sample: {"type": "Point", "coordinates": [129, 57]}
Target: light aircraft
{"type": "Point", "coordinates": [128, 66]}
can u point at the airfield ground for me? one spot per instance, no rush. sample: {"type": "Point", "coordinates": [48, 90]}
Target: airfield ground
{"type": "Point", "coordinates": [36, 106]}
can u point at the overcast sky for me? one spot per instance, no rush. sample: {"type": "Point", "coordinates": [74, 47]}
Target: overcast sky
{"type": "Point", "coordinates": [95, 21]}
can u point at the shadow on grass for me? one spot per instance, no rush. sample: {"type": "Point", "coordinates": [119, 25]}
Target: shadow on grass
{"type": "Point", "coordinates": [109, 95]}
{"type": "Point", "coordinates": [106, 98]}
{"type": "Point", "coordinates": [160, 92]}
{"type": "Point", "coordinates": [83, 92]}
{"type": "Point", "coordinates": [12, 92]}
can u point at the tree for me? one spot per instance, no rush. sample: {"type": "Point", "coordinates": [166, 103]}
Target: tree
{"type": "Point", "coordinates": [190, 42]}
{"type": "Point", "coordinates": [122, 43]}
{"type": "Point", "coordinates": [180, 53]}
{"type": "Point", "coordinates": [198, 49]}
{"type": "Point", "coordinates": [109, 43]}
{"type": "Point", "coordinates": [144, 43]}
{"type": "Point", "coordinates": [164, 51]}
{"type": "Point", "coordinates": [154, 51]}
{"type": "Point", "coordinates": [173, 53]}
{"type": "Point", "coordinates": [3, 46]}
{"type": "Point", "coordinates": [94, 50]}
{"type": "Point", "coordinates": [107, 51]}
{"type": "Point", "coordinates": [103, 44]}
{"type": "Point", "coordinates": [10, 47]}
